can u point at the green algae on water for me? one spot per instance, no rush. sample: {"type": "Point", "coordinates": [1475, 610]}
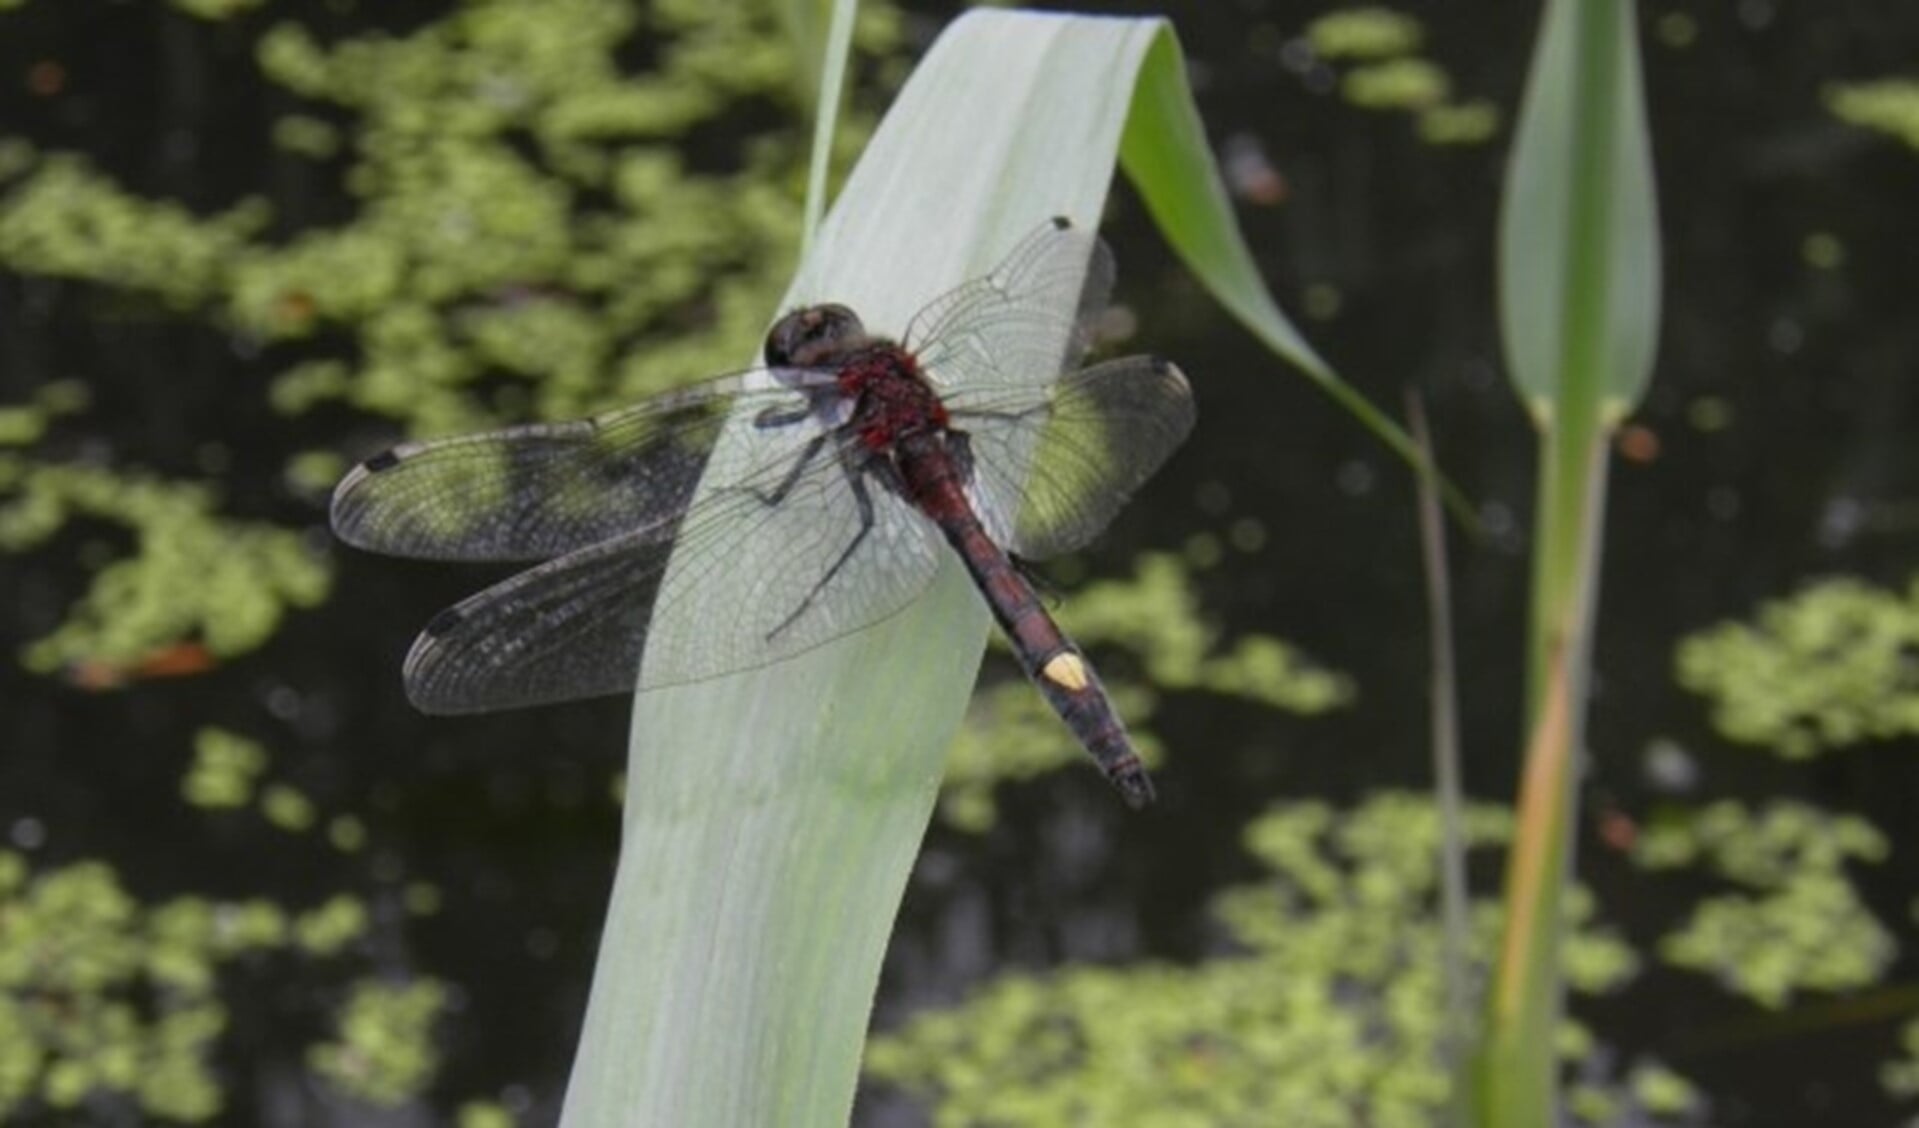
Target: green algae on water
{"type": "Point", "coordinates": [1828, 668]}
{"type": "Point", "coordinates": [1332, 1008]}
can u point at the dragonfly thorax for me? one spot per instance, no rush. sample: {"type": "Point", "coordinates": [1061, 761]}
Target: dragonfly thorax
{"type": "Point", "coordinates": [891, 397]}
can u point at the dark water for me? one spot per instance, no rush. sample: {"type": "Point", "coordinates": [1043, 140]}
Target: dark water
{"type": "Point", "coordinates": [509, 813]}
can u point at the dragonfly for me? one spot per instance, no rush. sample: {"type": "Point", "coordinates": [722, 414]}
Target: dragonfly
{"type": "Point", "coordinates": [775, 510]}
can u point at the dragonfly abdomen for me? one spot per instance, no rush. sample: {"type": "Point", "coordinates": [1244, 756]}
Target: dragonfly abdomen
{"type": "Point", "coordinates": [1053, 663]}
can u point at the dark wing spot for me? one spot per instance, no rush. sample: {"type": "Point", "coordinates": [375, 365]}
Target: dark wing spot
{"type": "Point", "coordinates": [1061, 223]}
{"type": "Point", "coordinates": [445, 623]}
{"type": "Point", "coordinates": [385, 460]}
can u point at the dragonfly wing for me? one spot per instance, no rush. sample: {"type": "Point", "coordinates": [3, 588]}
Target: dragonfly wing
{"type": "Point", "coordinates": [1029, 320]}
{"type": "Point", "coordinates": [1051, 469]}
{"type": "Point", "coordinates": [544, 489]}
{"type": "Point", "coordinates": [837, 552]}
{"type": "Point", "coordinates": [572, 627]}
{"type": "Point", "coordinates": [763, 567]}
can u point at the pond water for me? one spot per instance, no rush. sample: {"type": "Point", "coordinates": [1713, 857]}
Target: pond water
{"type": "Point", "coordinates": [1779, 443]}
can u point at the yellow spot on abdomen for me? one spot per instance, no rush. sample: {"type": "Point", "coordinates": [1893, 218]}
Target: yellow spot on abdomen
{"type": "Point", "coordinates": [1066, 670]}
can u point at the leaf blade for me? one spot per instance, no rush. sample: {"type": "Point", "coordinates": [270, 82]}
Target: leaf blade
{"type": "Point", "coordinates": [1542, 277]}
{"type": "Point", "coordinates": [774, 815]}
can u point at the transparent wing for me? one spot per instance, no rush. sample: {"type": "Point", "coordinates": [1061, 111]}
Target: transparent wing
{"type": "Point", "coordinates": [841, 550]}
{"type": "Point", "coordinates": [537, 491]}
{"type": "Point", "coordinates": [1092, 439]}
{"type": "Point", "coordinates": [1026, 322]}
{"type": "Point", "coordinates": [764, 567]}
{"type": "Point", "coordinates": [572, 627]}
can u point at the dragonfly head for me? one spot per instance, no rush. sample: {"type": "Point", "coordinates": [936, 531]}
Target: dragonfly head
{"type": "Point", "coordinates": [813, 336]}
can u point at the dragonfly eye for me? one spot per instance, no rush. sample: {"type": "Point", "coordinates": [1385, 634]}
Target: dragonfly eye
{"type": "Point", "coordinates": [811, 336]}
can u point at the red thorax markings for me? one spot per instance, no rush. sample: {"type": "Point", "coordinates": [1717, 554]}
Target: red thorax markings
{"type": "Point", "coordinates": [894, 399]}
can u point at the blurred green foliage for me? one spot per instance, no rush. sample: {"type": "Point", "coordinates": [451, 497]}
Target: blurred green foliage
{"type": "Point", "coordinates": [116, 1003]}
{"type": "Point", "coordinates": [1827, 668]}
{"type": "Point", "coordinates": [64, 220]}
{"type": "Point", "coordinates": [483, 1114]}
{"type": "Point", "coordinates": [1797, 924]}
{"type": "Point", "coordinates": [1155, 619]}
{"type": "Point", "coordinates": [25, 424]}
{"type": "Point", "coordinates": [1387, 73]}
{"type": "Point", "coordinates": [1650, 1093]}
{"type": "Point", "coordinates": [1822, 250]}
{"type": "Point", "coordinates": [1331, 1008]}
{"type": "Point", "coordinates": [1889, 105]}
{"type": "Point", "coordinates": [225, 766]}
{"type": "Point", "coordinates": [524, 217]}
{"type": "Point", "coordinates": [595, 268]}
{"type": "Point", "coordinates": [523, 238]}
{"type": "Point", "coordinates": [346, 833]}
{"type": "Point", "coordinates": [1900, 1078]}
{"type": "Point", "coordinates": [287, 807]}
{"type": "Point", "coordinates": [1676, 30]}
{"type": "Point", "coordinates": [384, 1053]}
{"type": "Point", "coordinates": [1331, 1005]}
{"type": "Point", "coordinates": [216, 9]}
{"type": "Point", "coordinates": [229, 772]}
{"type": "Point", "coordinates": [1471, 122]}
{"type": "Point", "coordinates": [1365, 33]}
{"type": "Point", "coordinates": [1398, 84]}
{"type": "Point", "coordinates": [121, 1005]}
{"type": "Point", "coordinates": [193, 574]}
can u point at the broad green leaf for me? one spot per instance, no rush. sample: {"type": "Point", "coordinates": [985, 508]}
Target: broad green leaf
{"type": "Point", "coordinates": [1579, 236]}
{"type": "Point", "coordinates": [773, 815]}
{"type": "Point", "coordinates": [1164, 152]}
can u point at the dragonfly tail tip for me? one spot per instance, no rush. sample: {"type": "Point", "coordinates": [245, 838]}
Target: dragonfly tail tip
{"type": "Point", "coordinates": [1135, 788]}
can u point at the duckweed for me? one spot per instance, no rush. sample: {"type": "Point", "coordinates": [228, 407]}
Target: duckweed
{"type": "Point", "coordinates": [1332, 1010]}
{"type": "Point", "coordinates": [1796, 924]}
{"type": "Point", "coordinates": [484, 1114]}
{"type": "Point", "coordinates": [1401, 84]}
{"type": "Point", "coordinates": [521, 217]}
{"type": "Point", "coordinates": [1827, 668]}
{"type": "Point", "coordinates": [192, 575]}
{"type": "Point", "coordinates": [224, 768]}
{"type": "Point", "coordinates": [1365, 33]}
{"type": "Point", "coordinates": [287, 807]}
{"type": "Point", "coordinates": [1899, 1078]}
{"type": "Point", "coordinates": [113, 1004]}
{"type": "Point", "coordinates": [1385, 73]}
{"type": "Point", "coordinates": [1889, 105]}
{"type": "Point", "coordinates": [327, 930]}
{"type": "Point", "coordinates": [384, 1052]}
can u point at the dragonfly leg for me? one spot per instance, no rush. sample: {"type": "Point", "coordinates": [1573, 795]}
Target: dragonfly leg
{"type": "Point", "coordinates": [807, 454]}
{"type": "Point", "coordinates": [857, 482]}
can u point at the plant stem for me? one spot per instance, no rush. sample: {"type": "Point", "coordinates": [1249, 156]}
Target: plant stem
{"type": "Point", "coordinates": [1519, 1066]}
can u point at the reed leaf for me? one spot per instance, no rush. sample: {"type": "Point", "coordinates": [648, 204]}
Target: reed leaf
{"type": "Point", "coordinates": [1579, 304]}
{"type": "Point", "coordinates": [773, 815]}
